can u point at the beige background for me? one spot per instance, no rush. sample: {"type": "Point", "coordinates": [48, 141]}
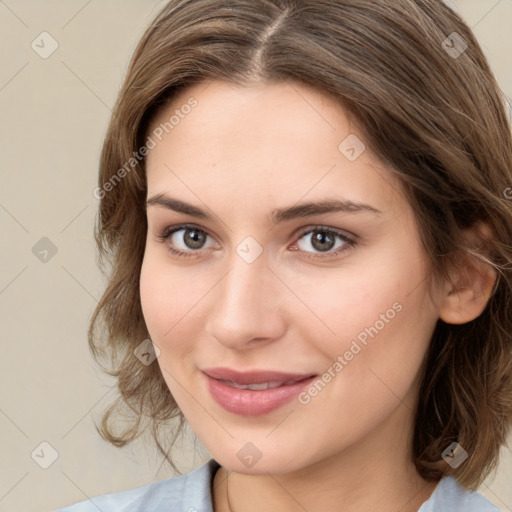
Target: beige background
{"type": "Point", "coordinates": [54, 113]}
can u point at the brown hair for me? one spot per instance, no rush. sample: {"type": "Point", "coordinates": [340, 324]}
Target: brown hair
{"type": "Point", "coordinates": [429, 108]}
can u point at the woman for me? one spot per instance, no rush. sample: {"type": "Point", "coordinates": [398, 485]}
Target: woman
{"type": "Point", "coordinates": [305, 207]}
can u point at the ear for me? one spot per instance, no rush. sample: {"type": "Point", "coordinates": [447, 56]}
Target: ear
{"type": "Point", "coordinates": [467, 293]}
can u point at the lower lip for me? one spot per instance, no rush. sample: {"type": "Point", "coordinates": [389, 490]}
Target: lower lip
{"type": "Point", "coordinates": [246, 402]}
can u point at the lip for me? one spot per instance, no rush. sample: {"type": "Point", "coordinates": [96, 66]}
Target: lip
{"type": "Point", "coordinates": [248, 402]}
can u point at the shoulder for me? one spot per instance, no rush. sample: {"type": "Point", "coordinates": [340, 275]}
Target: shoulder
{"type": "Point", "coordinates": [450, 496]}
{"type": "Point", "coordinates": [187, 493]}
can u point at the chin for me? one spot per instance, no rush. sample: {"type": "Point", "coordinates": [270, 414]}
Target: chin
{"type": "Point", "coordinates": [258, 457]}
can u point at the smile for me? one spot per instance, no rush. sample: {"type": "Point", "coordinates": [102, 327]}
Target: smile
{"type": "Point", "coordinates": [258, 387]}
{"type": "Point", "coordinates": [253, 393]}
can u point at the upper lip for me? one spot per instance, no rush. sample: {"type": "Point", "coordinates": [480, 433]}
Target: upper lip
{"type": "Point", "coordinates": [255, 376]}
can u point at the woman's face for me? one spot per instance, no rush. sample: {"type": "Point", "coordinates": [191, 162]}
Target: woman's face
{"type": "Point", "coordinates": [301, 269]}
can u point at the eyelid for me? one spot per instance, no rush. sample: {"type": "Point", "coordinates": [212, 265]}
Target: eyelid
{"type": "Point", "coordinates": [320, 227]}
{"type": "Point", "coordinates": [169, 230]}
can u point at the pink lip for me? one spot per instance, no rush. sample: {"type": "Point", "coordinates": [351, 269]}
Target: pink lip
{"type": "Point", "coordinates": [248, 402]}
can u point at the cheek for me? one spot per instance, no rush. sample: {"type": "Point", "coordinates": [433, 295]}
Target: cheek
{"type": "Point", "coordinates": [172, 297]}
{"type": "Point", "coordinates": [156, 304]}
{"type": "Point", "coordinates": [167, 293]}
{"type": "Point", "coordinates": [376, 328]}
{"type": "Point", "coordinates": [371, 364]}
{"type": "Point", "coordinates": [343, 302]}
{"type": "Point", "coordinates": [166, 304]}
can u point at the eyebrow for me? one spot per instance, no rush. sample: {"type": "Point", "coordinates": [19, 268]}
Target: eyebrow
{"type": "Point", "coordinates": [278, 215]}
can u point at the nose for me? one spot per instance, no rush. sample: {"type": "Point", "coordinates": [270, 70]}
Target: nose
{"type": "Point", "coordinates": [248, 306]}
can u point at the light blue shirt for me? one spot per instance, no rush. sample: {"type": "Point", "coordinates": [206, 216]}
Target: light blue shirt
{"type": "Point", "coordinates": [192, 493]}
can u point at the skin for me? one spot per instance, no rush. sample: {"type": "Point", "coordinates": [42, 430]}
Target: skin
{"type": "Point", "coordinates": [239, 154]}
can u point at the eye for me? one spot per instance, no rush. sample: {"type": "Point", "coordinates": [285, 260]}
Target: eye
{"type": "Point", "coordinates": [185, 241]}
{"type": "Point", "coordinates": [324, 240]}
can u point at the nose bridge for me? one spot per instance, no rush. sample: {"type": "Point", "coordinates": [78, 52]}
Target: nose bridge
{"type": "Point", "coordinates": [246, 302]}
{"type": "Point", "coordinates": [245, 288]}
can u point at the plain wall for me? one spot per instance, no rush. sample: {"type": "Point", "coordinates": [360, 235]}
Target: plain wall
{"type": "Point", "coordinates": [54, 116]}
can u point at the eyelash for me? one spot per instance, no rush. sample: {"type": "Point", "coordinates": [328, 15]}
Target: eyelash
{"type": "Point", "coordinates": [349, 242]}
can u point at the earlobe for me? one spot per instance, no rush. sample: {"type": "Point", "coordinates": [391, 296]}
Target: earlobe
{"type": "Point", "coordinates": [466, 297]}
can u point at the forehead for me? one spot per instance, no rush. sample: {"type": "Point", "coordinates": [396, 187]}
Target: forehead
{"type": "Point", "coordinates": [275, 139]}
{"type": "Point", "coordinates": [217, 96]}
{"type": "Point", "coordinates": [226, 117]}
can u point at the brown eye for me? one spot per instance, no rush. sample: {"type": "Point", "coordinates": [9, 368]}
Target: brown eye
{"type": "Point", "coordinates": [192, 238]}
{"type": "Point", "coordinates": [324, 240]}
{"type": "Point", "coordinates": [185, 240]}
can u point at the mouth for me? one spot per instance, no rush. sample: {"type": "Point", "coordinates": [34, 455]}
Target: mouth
{"type": "Point", "coordinates": [259, 387]}
{"type": "Point", "coordinates": [254, 393]}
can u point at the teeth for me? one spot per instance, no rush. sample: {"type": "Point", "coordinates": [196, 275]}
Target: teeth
{"type": "Point", "coordinates": [256, 387]}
